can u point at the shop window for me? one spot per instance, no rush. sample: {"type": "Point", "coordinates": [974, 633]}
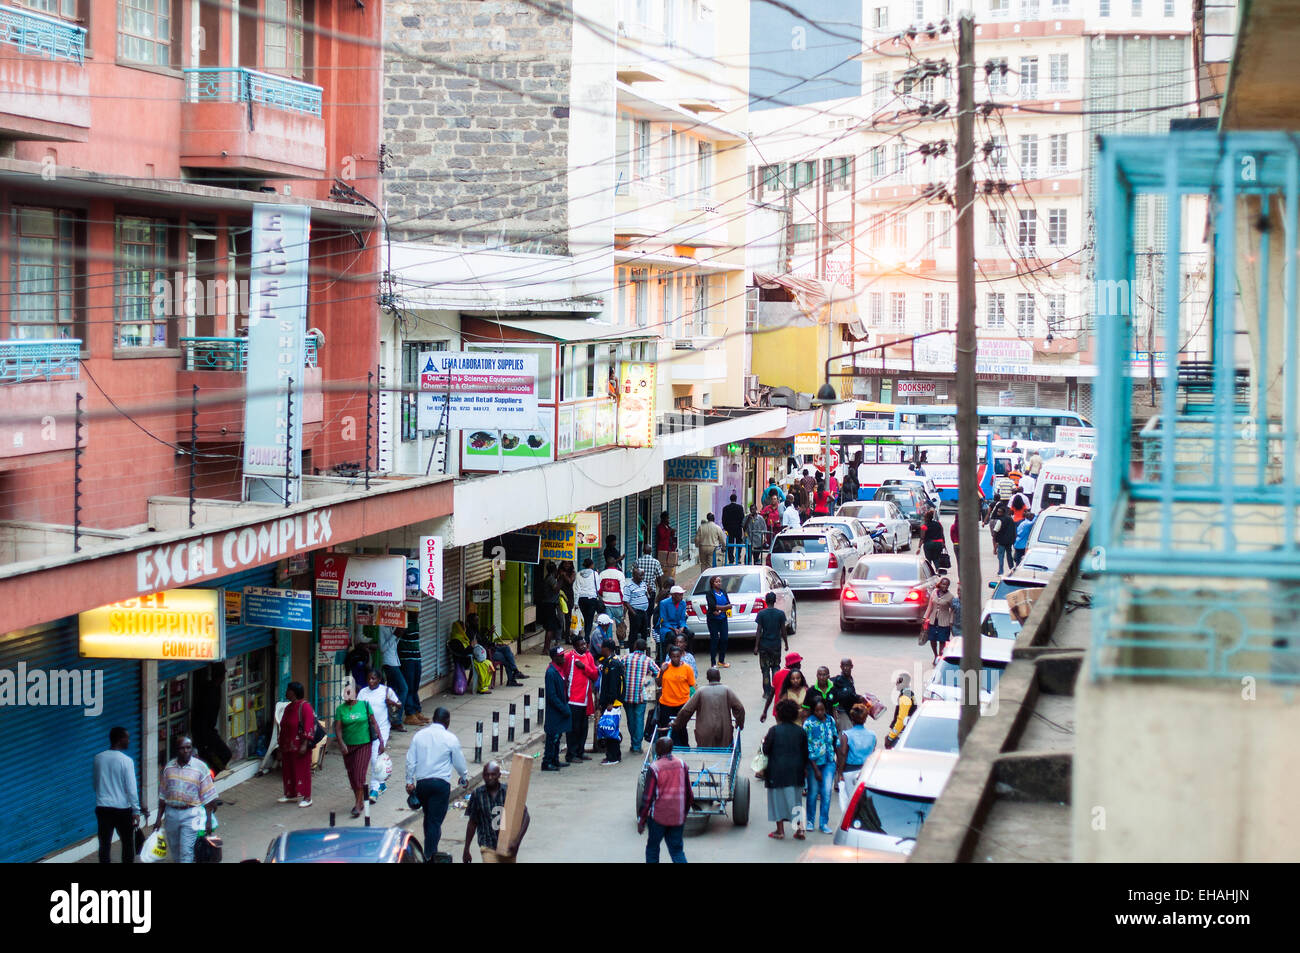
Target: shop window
{"type": "Point", "coordinates": [246, 702]}
{"type": "Point", "coordinates": [173, 714]}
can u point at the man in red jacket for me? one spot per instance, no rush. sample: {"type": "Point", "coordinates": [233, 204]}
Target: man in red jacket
{"type": "Point", "coordinates": [580, 673]}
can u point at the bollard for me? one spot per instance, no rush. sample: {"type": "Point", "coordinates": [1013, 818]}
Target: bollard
{"type": "Point", "coordinates": [367, 808]}
{"type": "Point", "coordinates": [510, 731]}
{"type": "Point", "coordinates": [331, 818]}
{"type": "Point", "coordinates": [496, 731]}
{"type": "Point", "coordinates": [478, 742]}
{"type": "Point", "coordinates": [541, 695]}
{"type": "Point", "coordinates": [528, 710]}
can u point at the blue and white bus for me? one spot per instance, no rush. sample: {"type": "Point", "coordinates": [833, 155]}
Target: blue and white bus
{"type": "Point", "coordinates": [1009, 423]}
{"type": "Point", "coordinates": [892, 454]}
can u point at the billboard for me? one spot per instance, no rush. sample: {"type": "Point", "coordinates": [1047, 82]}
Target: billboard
{"type": "Point", "coordinates": [693, 470]}
{"type": "Point", "coordinates": [176, 624]}
{"type": "Point", "coordinates": [487, 390]}
{"type": "Point", "coordinates": [636, 404]}
{"type": "Point", "coordinates": [509, 449]}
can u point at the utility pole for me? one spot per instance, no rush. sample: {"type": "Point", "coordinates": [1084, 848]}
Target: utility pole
{"type": "Point", "coordinates": [968, 568]}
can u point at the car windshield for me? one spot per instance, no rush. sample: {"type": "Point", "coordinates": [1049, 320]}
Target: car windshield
{"type": "Point", "coordinates": [1000, 625]}
{"type": "Point", "coordinates": [882, 813]}
{"type": "Point", "coordinates": [900, 496]}
{"type": "Point", "coordinates": [1058, 530]}
{"type": "Point", "coordinates": [948, 672]}
{"type": "Point", "coordinates": [1009, 585]}
{"type": "Point", "coordinates": [932, 734]}
{"type": "Point", "coordinates": [331, 846]}
{"type": "Point", "coordinates": [845, 528]}
{"type": "Point", "coordinates": [732, 582]}
{"type": "Point", "coordinates": [873, 511]}
{"type": "Point", "coordinates": [799, 544]}
{"type": "Point", "coordinates": [886, 571]}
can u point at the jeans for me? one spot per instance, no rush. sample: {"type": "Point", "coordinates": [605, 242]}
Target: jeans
{"type": "Point", "coordinates": [635, 723]}
{"type": "Point", "coordinates": [1001, 552]}
{"type": "Point", "coordinates": [577, 732]}
{"type": "Point", "coordinates": [552, 753]}
{"type": "Point", "coordinates": [122, 820]}
{"type": "Point", "coordinates": [504, 655]}
{"type": "Point", "coordinates": [717, 639]}
{"type": "Point", "coordinates": [393, 677]}
{"type": "Point", "coordinates": [178, 829]}
{"type": "Point", "coordinates": [434, 795]}
{"type": "Point", "coordinates": [589, 608]}
{"type": "Point", "coordinates": [1020, 556]}
{"type": "Point", "coordinates": [659, 834]}
{"type": "Point", "coordinates": [411, 674]}
{"type": "Point", "coordinates": [820, 792]}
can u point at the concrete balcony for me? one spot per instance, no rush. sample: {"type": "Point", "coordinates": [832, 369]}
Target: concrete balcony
{"type": "Point", "coordinates": [643, 208]}
{"type": "Point", "coordinates": [697, 360]}
{"type": "Point", "coordinates": [39, 381]}
{"type": "Point", "coordinates": [700, 226]}
{"type": "Point", "coordinates": [44, 89]}
{"type": "Point", "coordinates": [242, 120]}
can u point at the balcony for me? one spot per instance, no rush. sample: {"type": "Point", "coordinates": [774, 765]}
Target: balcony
{"type": "Point", "coordinates": [217, 366]}
{"type": "Point", "coordinates": [699, 226]}
{"type": "Point", "coordinates": [643, 207]}
{"type": "Point", "coordinates": [39, 381]}
{"type": "Point", "coordinates": [243, 120]}
{"type": "Point", "coordinates": [227, 354]}
{"type": "Point", "coordinates": [44, 89]}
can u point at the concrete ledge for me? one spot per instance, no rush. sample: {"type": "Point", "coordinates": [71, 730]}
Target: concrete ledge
{"type": "Point", "coordinates": [1035, 776]}
{"type": "Point", "coordinates": [1037, 631]}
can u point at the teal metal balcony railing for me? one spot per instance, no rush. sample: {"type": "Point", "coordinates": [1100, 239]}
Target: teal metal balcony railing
{"type": "Point", "coordinates": [241, 85]}
{"type": "Point", "coordinates": [39, 35]}
{"type": "Point", "coordinates": [1196, 531]}
{"type": "Point", "coordinates": [227, 354]}
{"type": "Point", "coordinates": [22, 361]}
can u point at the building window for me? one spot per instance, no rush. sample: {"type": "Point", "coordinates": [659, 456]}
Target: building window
{"type": "Point", "coordinates": [996, 310]}
{"type": "Point", "coordinates": [1027, 235]}
{"type": "Point", "coordinates": [876, 230]}
{"type": "Point", "coordinates": [1169, 8]}
{"type": "Point", "coordinates": [704, 172]}
{"type": "Point", "coordinates": [1029, 156]}
{"type": "Point", "coordinates": [1029, 77]}
{"type": "Point", "coordinates": [800, 234]}
{"type": "Point", "coordinates": [880, 18]}
{"type": "Point", "coordinates": [931, 224]}
{"type": "Point", "coordinates": [641, 295]}
{"type": "Point", "coordinates": [1058, 154]}
{"type": "Point", "coordinates": [918, 11]}
{"type": "Point", "coordinates": [927, 312]}
{"type": "Point", "coordinates": [999, 8]}
{"type": "Point", "coordinates": [702, 305]}
{"type": "Point", "coordinates": [641, 129]}
{"type": "Point", "coordinates": [1025, 314]}
{"type": "Point", "coordinates": [1137, 8]}
{"type": "Point", "coordinates": [1056, 226]}
{"type": "Point", "coordinates": [145, 31]}
{"type": "Point", "coordinates": [771, 175]}
{"type": "Point", "coordinates": [900, 231]}
{"type": "Point", "coordinates": [996, 75]}
{"type": "Point", "coordinates": [282, 49]}
{"type": "Point", "coordinates": [898, 310]}
{"type": "Point", "coordinates": [1058, 73]}
{"type": "Point", "coordinates": [877, 309]}
{"type": "Point", "coordinates": [900, 159]}
{"type": "Point", "coordinates": [1055, 311]}
{"type": "Point", "coordinates": [67, 9]}
{"type": "Point", "coordinates": [877, 162]}
{"type": "Point", "coordinates": [411, 351]}
{"type": "Point", "coordinates": [841, 233]}
{"type": "Point", "coordinates": [1103, 8]}
{"type": "Point", "coordinates": [997, 227]}
{"type": "Point", "coordinates": [44, 296]}
{"type": "Point", "coordinates": [998, 152]}
{"type": "Point", "coordinates": [879, 90]}
{"type": "Point", "coordinates": [945, 311]}
{"type": "Point", "coordinates": [945, 229]}
{"type": "Point", "coordinates": [141, 261]}
{"type": "Point", "coordinates": [805, 173]}
{"type": "Point", "coordinates": [836, 172]}
{"type": "Point", "coordinates": [1029, 9]}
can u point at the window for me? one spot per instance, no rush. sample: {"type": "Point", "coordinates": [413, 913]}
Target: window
{"type": "Point", "coordinates": [771, 175]}
{"type": "Point", "coordinates": [802, 233]}
{"type": "Point", "coordinates": [840, 233]}
{"type": "Point", "coordinates": [996, 75]}
{"type": "Point", "coordinates": [900, 159]}
{"type": "Point", "coordinates": [918, 11]}
{"type": "Point", "coordinates": [898, 310]}
{"type": "Point", "coordinates": [1029, 9]}
{"type": "Point", "coordinates": [1027, 235]}
{"type": "Point", "coordinates": [1058, 152]}
{"type": "Point", "coordinates": [702, 305]}
{"type": "Point", "coordinates": [999, 8]}
{"type": "Point", "coordinates": [672, 160]}
{"type": "Point", "coordinates": [879, 90]}
{"type": "Point", "coordinates": [880, 18]}
{"type": "Point", "coordinates": [1029, 156]}
{"type": "Point", "coordinates": [1025, 314]}
{"type": "Point", "coordinates": [996, 310]}
{"type": "Point", "coordinates": [1169, 8]}
{"type": "Point", "coordinates": [945, 311]}
{"type": "Point", "coordinates": [804, 174]}
{"type": "Point", "coordinates": [836, 171]}
{"type": "Point", "coordinates": [1103, 8]}
{"type": "Point", "coordinates": [44, 302]}
{"type": "Point", "coordinates": [998, 152]}
{"type": "Point", "coordinates": [945, 229]}
{"type": "Point", "coordinates": [411, 351]}
{"type": "Point", "coordinates": [641, 130]}
{"type": "Point", "coordinates": [55, 8]}
{"type": "Point", "coordinates": [1029, 77]}
{"type": "Point", "coordinates": [145, 31]}
{"type": "Point", "coordinates": [1137, 8]}
{"type": "Point", "coordinates": [1055, 310]}
{"type": "Point", "coordinates": [997, 227]}
{"type": "Point", "coordinates": [1057, 226]}
{"type": "Point", "coordinates": [641, 296]}
{"type": "Point", "coordinates": [666, 307]}
{"type": "Point", "coordinates": [283, 30]}
{"type": "Point", "coordinates": [141, 261]}
{"type": "Point", "coordinates": [927, 312]}
{"type": "Point", "coordinates": [704, 172]}
{"type": "Point", "coordinates": [877, 309]}
{"type": "Point", "coordinates": [900, 231]}
{"type": "Point", "coordinates": [931, 224]}
{"type": "Point", "coordinates": [1058, 72]}
{"type": "Point", "coordinates": [877, 162]}
{"type": "Point", "coordinates": [876, 230]}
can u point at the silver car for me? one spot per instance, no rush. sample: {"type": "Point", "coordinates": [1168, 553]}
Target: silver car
{"type": "Point", "coordinates": [746, 588]}
{"type": "Point", "coordinates": [886, 588]}
{"type": "Point", "coordinates": [818, 558]}
{"type": "Point", "coordinates": [854, 529]}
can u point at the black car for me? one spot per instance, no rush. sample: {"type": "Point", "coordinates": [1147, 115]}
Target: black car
{"type": "Point", "coordinates": [346, 845]}
{"type": "Point", "coordinates": [909, 499]}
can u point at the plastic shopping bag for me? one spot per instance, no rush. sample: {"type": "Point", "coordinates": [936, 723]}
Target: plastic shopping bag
{"type": "Point", "coordinates": [381, 769]}
{"type": "Point", "coordinates": [154, 849]}
{"type": "Point", "coordinates": [607, 726]}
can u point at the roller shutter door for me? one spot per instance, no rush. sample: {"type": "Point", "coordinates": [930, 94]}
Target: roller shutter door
{"type": "Point", "coordinates": [986, 395]}
{"type": "Point", "coordinates": [435, 618]}
{"type": "Point", "coordinates": [1052, 395]}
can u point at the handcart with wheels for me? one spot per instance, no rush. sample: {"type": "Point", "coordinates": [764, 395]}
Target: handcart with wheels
{"type": "Point", "coordinates": [714, 775]}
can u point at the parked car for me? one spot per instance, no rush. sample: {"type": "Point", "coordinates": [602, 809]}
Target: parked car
{"type": "Point", "coordinates": [893, 796]}
{"type": "Point", "coordinates": [346, 845]}
{"type": "Point", "coordinates": [878, 514]}
{"type": "Point", "coordinates": [854, 529]}
{"type": "Point", "coordinates": [933, 728]}
{"type": "Point", "coordinates": [924, 484]}
{"type": "Point", "coordinates": [746, 588]}
{"type": "Point", "coordinates": [813, 559]}
{"type": "Point", "coordinates": [884, 588]}
{"type": "Point", "coordinates": [910, 500]}
{"type": "Point", "coordinates": [1053, 532]}
{"type": "Point", "coordinates": [945, 682]}
{"type": "Point", "coordinates": [997, 622]}
{"type": "Point", "coordinates": [1018, 578]}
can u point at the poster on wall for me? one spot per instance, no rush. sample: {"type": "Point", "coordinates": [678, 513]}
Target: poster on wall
{"type": "Point", "coordinates": [606, 423]}
{"type": "Point", "coordinates": [277, 608]}
{"type": "Point", "coordinates": [693, 470]}
{"type": "Point", "coordinates": [564, 431]}
{"type": "Point", "coordinates": [480, 389]}
{"type": "Point", "coordinates": [584, 422]}
{"type": "Point", "coordinates": [559, 541]}
{"type": "Point", "coordinates": [512, 449]}
{"type": "Point", "coordinates": [636, 404]}
{"type": "Point", "coordinates": [360, 578]}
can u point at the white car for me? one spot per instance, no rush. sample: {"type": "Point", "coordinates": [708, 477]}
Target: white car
{"type": "Point", "coordinates": [945, 683]}
{"type": "Point", "coordinates": [746, 588]}
{"type": "Point", "coordinates": [933, 728]}
{"type": "Point", "coordinates": [878, 514]}
{"type": "Point", "coordinates": [1054, 529]}
{"type": "Point", "coordinates": [997, 622]}
{"type": "Point", "coordinates": [894, 794]}
{"type": "Point", "coordinates": [854, 529]}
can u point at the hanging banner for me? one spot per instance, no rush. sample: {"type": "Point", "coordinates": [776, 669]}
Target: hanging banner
{"type": "Point", "coordinates": [277, 327]}
{"type": "Point", "coordinates": [636, 404]}
{"type": "Point", "coordinates": [559, 541]}
{"type": "Point", "coordinates": [277, 608]}
{"type": "Point", "coordinates": [173, 624]}
{"type": "Point", "coordinates": [360, 578]}
{"type": "Point", "coordinates": [391, 615]}
{"type": "Point", "coordinates": [479, 389]}
{"type": "Point", "coordinates": [431, 566]}
{"type": "Point", "coordinates": [806, 443]}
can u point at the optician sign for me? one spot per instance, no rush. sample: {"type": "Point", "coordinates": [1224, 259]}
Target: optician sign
{"type": "Point", "coordinates": [692, 470]}
{"type": "Point", "coordinates": [431, 566]}
{"type": "Point", "coordinates": [173, 624]}
{"type": "Point", "coordinates": [277, 608]}
{"type": "Point", "coordinates": [481, 390]}
{"type": "Point", "coordinates": [361, 578]}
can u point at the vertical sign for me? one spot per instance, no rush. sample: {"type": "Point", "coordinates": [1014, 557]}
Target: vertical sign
{"type": "Point", "coordinates": [636, 404]}
{"type": "Point", "coordinates": [277, 321]}
{"type": "Point", "coordinates": [431, 566]}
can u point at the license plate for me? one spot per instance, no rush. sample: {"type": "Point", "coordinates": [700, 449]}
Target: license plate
{"type": "Point", "coordinates": [880, 598]}
{"type": "Point", "coordinates": [799, 565]}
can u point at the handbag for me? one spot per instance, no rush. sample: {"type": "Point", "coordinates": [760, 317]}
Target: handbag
{"type": "Point", "coordinates": [925, 634]}
{"type": "Point", "coordinates": [759, 764]}
{"type": "Point", "coordinates": [945, 562]}
{"type": "Point", "coordinates": [459, 681]}
{"type": "Point", "coordinates": [649, 687]}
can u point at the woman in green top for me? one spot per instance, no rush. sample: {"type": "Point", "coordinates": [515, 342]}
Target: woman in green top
{"type": "Point", "coordinates": [355, 727]}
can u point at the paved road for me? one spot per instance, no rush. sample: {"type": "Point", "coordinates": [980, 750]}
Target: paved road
{"type": "Point", "coordinates": [586, 812]}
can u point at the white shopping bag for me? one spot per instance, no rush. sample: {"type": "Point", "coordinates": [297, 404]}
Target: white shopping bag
{"type": "Point", "coordinates": [154, 849]}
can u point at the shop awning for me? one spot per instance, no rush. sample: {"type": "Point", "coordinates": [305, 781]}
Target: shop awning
{"type": "Point", "coordinates": [819, 299]}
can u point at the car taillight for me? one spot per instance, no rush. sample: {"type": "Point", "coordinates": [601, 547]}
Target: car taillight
{"type": "Point", "coordinates": [851, 810]}
{"type": "Point", "coordinates": [849, 594]}
{"type": "Point", "coordinates": [741, 607]}
{"type": "Point", "coordinates": [690, 610]}
{"type": "Point", "coordinates": [833, 563]}
{"type": "Point", "coordinates": [915, 596]}
{"type": "Point", "coordinates": [759, 606]}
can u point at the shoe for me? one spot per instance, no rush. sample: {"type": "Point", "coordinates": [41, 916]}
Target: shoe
{"type": "Point", "coordinates": [397, 727]}
{"type": "Point", "coordinates": [566, 765]}
{"type": "Point", "coordinates": [413, 719]}
{"type": "Point", "coordinates": [519, 675]}
{"type": "Point", "coordinates": [286, 800]}
{"type": "Point", "coordinates": [423, 719]}
{"type": "Point", "coordinates": [724, 665]}
{"type": "Point", "coordinates": [383, 786]}
{"type": "Point", "coordinates": [607, 761]}
{"type": "Point", "coordinates": [582, 757]}
{"type": "Point", "coordinates": [374, 797]}
{"type": "Point", "coordinates": [513, 684]}
{"type": "Point", "coordinates": [551, 767]}
{"type": "Point", "coordinates": [305, 803]}
{"type": "Point", "coordinates": [826, 830]}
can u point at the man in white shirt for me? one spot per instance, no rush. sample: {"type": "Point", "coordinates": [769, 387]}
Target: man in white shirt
{"type": "Point", "coordinates": [1027, 484]}
{"type": "Point", "coordinates": [434, 752]}
{"type": "Point", "coordinates": [117, 796]}
{"type": "Point", "coordinates": [584, 591]}
{"type": "Point", "coordinates": [790, 518]}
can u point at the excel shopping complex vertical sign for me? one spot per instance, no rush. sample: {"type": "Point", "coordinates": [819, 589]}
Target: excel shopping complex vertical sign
{"type": "Point", "coordinates": [277, 319]}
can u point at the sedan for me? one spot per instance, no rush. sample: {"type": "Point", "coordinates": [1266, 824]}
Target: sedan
{"type": "Point", "coordinates": [946, 681]}
{"type": "Point", "coordinates": [855, 530]}
{"type": "Point", "coordinates": [813, 559]}
{"type": "Point", "coordinates": [746, 588]}
{"type": "Point", "coordinates": [886, 589]}
{"type": "Point", "coordinates": [997, 622]}
{"type": "Point", "coordinates": [346, 845]}
{"type": "Point", "coordinates": [894, 794]}
{"type": "Point", "coordinates": [909, 499]}
{"type": "Point", "coordinates": [882, 515]}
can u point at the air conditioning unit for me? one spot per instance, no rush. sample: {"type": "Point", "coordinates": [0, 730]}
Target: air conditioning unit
{"type": "Point", "coordinates": [684, 344]}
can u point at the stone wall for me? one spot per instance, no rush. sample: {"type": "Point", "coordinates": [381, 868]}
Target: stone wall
{"type": "Point", "coordinates": [476, 121]}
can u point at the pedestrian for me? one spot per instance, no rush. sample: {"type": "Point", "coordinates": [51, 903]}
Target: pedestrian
{"type": "Point", "coordinates": [547, 600]}
{"type": "Point", "coordinates": [497, 650]}
{"type": "Point", "coordinates": [650, 568]}
{"type": "Point", "coordinates": [717, 612]}
{"type": "Point", "coordinates": [486, 807]}
{"type": "Point", "coordinates": [821, 688]}
{"type": "Point", "coordinates": [639, 669]}
{"type": "Point", "coordinates": [733, 521]}
{"type": "Point", "coordinates": [408, 653]}
{"type": "Point", "coordinates": [772, 516]}
{"type": "Point", "coordinates": [904, 709]}
{"type": "Point", "coordinates": [786, 748]}
{"type": "Point", "coordinates": [754, 530]}
{"type": "Point", "coordinates": [117, 797]}
{"type": "Point", "coordinates": [772, 492]}
{"type": "Point", "coordinates": [665, 804]}
{"type": "Point", "coordinates": [688, 658]}
{"type": "Point", "coordinates": [769, 635]}
{"type": "Point", "coordinates": [1027, 484]}
{"type": "Point", "coordinates": [580, 673]}
{"type": "Point", "coordinates": [790, 518]}
{"type": "Point", "coordinates": [823, 741]}
{"type": "Point", "coordinates": [709, 538]}
{"type": "Point", "coordinates": [938, 615]}
{"type": "Point", "coordinates": [355, 727]}
{"type": "Point", "coordinates": [209, 707]}
{"type": "Point", "coordinates": [1035, 464]}
{"type": "Point", "coordinates": [609, 700]}
{"type": "Point", "coordinates": [602, 632]}
{"type": "Point", "coordinates": [849, 486]}
{"type": "Point", "coordinates": [844, 694]}
{"type": "Point", "coordinates": [821, 504]}
{"type": "Point", "coordinates": [954, 536]}
{"type": "Point", "coordinates": [795, 689]}
{"type": "Point", "coordinates": [433, 755]}
{"type": "Point", "coordinates": [636, 596]}
{"type": "Point", "coordinates": [932, 540]}
{"type": "Point", "coordinates": [388, 658]}
{"type": "Point", "coordinates": [855, 747]}
{"type": "Point", "coordinates": [611, 553]}
{"type": "Point", "coordinates": [611, 585]}
{"type": "Point", "coordinates": [809, 483]}
{"type": "Point", "coordinates": [296, 740]}
{"type": "Point", "coordinates": [672, 620]}
{"type": "Point", "coordinates": [1023, 529]}
{"type": "Point", "coordinates": [714, 706]}
{"type": "Point", "coordinates": [558, 717]}
{"type": "Point", "coordinates": [1019, 505]}
{"type": "Point", "coordinates": [185, 794]}
{"type": "Point", "coordinates": [378, 696]}
{"type": "Point", "coordinates": [666, 543]}
{"type": "Point", "coordinates": [584, 589]}
{"type": "Point", "coordinates": [792, 662]}
{"type": "Point", "coordinates": [568, 577]}
{"type": "Point", "coordinates": [676, 685]}
{"type": "Point", "coordinates": [1003, 530]}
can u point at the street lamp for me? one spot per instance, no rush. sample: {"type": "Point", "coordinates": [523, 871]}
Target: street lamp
{"type": "Point", "coordinates": [827, 398]}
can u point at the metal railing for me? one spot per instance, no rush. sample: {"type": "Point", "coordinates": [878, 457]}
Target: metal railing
{"type": "Point", "coordinates": [228, 354]}
{"type": "Point", "coordinates": [240, 84]}
{"type": "Point", "coordinates": [39, 35]}
{"type": "Point", "coordinates": [40, 360]}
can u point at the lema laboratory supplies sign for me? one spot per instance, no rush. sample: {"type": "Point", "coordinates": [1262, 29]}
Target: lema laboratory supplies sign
{"type": "Point", "coordinates": [173, 624]}
{"type": "Point", "coordinates": [277, 608]}
{"type": "Point", "coordinates": [480, 390]}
